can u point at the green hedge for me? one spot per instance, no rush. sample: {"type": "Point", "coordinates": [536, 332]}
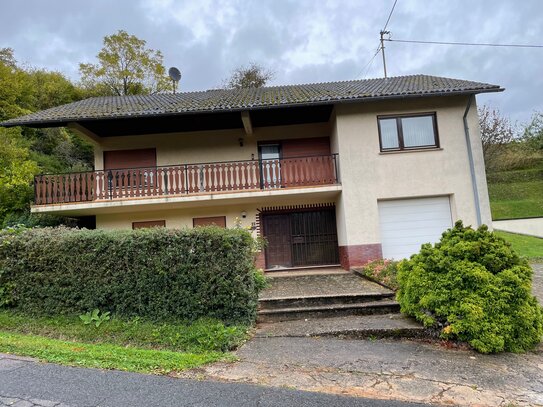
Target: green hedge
{"type": "Point", "coordinates": [160, 274]}
{"type": "Point", "coordinates": [472, 286]}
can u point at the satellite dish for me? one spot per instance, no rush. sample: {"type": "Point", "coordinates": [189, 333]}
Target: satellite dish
{"type": "Point", "coordinates": [175, 76]}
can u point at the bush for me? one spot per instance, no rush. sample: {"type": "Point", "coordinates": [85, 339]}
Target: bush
{"type": "Point", "coordinates": [382, 271]}
{"type": "Point", "coordinates": [159, 274]}
{"type": "Point", "coordinates": [473, 287]}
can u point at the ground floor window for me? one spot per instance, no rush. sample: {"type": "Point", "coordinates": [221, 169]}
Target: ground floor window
{"type": "Point", "coordinates": [149, 224]}
{"type": "Point", "coordinates": [212, 220]}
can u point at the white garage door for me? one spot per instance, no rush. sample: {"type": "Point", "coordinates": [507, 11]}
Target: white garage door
{"type": "Point", "coordinates": [408, 223]}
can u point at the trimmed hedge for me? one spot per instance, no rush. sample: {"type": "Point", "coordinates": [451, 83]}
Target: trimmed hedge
{"type": "Point", "coordinates": [473, 287]}
{"type": "Point", "coordinates": [160, 274]}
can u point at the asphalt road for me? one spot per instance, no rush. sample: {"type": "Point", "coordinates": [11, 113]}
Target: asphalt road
{"type": "Point", "coordinates": [25, 383]}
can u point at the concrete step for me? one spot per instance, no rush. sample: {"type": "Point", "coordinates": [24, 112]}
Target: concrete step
{"type": "Point", "coordinates": [316, 300]}
{"type": "Point", "coordinates": [383, 306]}
{"type": "Point", "coordinates": [354, 327]}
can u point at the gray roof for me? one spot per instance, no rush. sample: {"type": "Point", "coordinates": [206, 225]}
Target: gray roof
{"type": "Point", "coordinates": [220, 100]}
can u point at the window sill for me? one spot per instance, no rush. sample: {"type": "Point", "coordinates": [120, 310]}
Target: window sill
{"type": "Point", "coordinates": [415, 150]}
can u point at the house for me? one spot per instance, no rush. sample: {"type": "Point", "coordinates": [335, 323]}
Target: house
{"type": "Point", "coordinates": [328, 173]}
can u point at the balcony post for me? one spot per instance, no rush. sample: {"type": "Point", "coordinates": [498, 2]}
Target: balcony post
{"type": "Point", "coordinates": [336, 174]}
{"type": "Point", "coordinates": [110, 183]}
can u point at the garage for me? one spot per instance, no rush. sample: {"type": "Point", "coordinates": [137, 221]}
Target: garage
{"type": "Point", "coordinates": [408, 223]}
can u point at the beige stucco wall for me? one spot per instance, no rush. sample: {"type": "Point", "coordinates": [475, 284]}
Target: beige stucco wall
{"type": "Point", "coordinates": [207, 146]}
{"type": "Point", "coordinates": [182, 217]}
{"type": "Point", "coordinates": [368, 175]}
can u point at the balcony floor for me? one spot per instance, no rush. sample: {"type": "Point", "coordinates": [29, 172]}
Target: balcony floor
{"type": "Point", "coordinates": [186, 201]}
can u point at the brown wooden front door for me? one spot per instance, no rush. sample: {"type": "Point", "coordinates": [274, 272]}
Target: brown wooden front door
{"type": "Point", "coordinates": [299, 239]}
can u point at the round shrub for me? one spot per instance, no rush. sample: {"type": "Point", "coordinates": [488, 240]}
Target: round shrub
{"type": "Point", "coordinates": [473, 287]}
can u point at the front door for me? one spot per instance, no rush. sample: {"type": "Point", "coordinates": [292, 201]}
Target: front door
{"type": "Point", "coordinates": [301, 239]}
{"type": "Point", "coordinates": [277, 233]}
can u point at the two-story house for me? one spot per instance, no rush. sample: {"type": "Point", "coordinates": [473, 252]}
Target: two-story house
{"type": "Point", "coordinates": [328, 173]}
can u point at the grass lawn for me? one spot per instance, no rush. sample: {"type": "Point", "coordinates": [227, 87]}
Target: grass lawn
{"type": "Point", "coordinates": [133, 345]}
{"type": "Point", "coordinates": [526, 246]}
{"type": "Point", "coordinates": [516, 199]}
{"type": "Point", "coordinates": [516, 193]}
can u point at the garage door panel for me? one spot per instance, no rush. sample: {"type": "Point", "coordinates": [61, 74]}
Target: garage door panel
{"type": "Point", "coordinates": [400, 225]}
{"type": "Point", "coordinates": [406, 224]}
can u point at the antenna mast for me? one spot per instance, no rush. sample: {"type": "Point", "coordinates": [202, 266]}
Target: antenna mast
{"type": "Point", "coordinates": [383, 50]}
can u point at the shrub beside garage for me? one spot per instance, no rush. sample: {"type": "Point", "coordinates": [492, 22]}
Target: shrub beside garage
{"type": "Point", "coordinates": [159, 274]}
{"type": "Point", "coordinates": [473, 287]}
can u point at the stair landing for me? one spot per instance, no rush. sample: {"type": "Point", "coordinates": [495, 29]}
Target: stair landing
{"type": "Point", "coordinates": [317, 282]}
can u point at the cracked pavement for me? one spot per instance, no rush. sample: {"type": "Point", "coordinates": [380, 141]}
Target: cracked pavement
{"type": "Point", "coordinates": [25, 382]}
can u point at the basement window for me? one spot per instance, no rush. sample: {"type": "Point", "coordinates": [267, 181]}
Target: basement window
{"type": "Point", "coordinates": [408, 132]}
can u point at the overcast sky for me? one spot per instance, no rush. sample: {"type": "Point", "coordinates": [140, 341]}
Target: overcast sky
{"type": "Point", "coordinates": [303, 41]}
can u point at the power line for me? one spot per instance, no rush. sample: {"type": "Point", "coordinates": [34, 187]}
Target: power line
{"type": "Point", "coordinates": [485, 44]}
{"type": "Point", "coordinates": [390, 15]}
{"type": "Point", "coordinates": [380, 46]}
{"type": "Point", "coordinates": [368, 65]}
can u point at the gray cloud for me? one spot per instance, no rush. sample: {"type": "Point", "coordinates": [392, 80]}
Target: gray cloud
{"type": "Point", "coordinates": [302, 40]}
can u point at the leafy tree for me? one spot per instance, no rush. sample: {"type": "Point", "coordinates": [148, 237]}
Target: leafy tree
{"type": "Point", "coordinates": [533, 133]}
{"type": "Point", "coordinates": [250, 76]}
{"type": "Point", "coordinates": [496, 134]}
{"type": "Point", "coordinates": [24, 152]}
{"type": "Point", "coordinates": [125, 67]}
{"type": "Point", "coordinates": [7, 57]}
{"type": "Point", "coordinates": [16, 172]}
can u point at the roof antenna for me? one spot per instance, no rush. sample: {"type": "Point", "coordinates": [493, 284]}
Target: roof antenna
{"type": "Point", "coordinates": [175, 76]}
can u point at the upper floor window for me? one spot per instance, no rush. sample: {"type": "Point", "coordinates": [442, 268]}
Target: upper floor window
{"type": "Point", "coordinates": [408, 132]}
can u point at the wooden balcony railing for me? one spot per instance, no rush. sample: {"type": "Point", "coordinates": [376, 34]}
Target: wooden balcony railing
{"type": "Point", "coordinates": [230, 176]}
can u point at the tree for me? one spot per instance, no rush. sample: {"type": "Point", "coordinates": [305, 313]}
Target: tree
{"type": "Point", "coordinates": [497, 133]}
{"type": "Point", "coordinates": [250, 76]}
{"type": "Point", "coordinates": [125, 67]}
{"type": "Point", "coordinates": [533, 133]}
{"type": "Point", "coordinates": [7, 57]}
{"type": "Point", "coordinates": [16, 172]}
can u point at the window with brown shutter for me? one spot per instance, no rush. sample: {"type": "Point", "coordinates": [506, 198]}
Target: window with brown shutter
{"type": "Point", "coordinates": [119, 159]}
{"type": "Point", "coordinates": [149, 224]}
{"type": "Point", "coordinates": [213, 220]}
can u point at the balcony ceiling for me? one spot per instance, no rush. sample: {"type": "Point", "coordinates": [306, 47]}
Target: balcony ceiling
{"type": "Point", "coordinates": [207, 121]}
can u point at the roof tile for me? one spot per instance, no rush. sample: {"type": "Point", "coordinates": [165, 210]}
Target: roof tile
{"type": "Point", "coordinates": [253, 98]}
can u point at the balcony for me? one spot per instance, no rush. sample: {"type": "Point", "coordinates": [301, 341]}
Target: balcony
{"type": "Point", "coordinates": [186, 179]}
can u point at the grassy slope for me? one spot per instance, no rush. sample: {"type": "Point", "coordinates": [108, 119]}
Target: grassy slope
{"type": "Point", "coordinates": [526, 246]}
{"type": "Point", "coordinates": [516, 193]}
{"type": "Point", "coordinates": [134, 345]}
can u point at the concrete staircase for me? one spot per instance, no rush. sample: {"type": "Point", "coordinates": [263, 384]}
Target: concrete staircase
{"type": "Point", "coordinates": [286, 309]}
{"type": "Point", "coordinates": [330, 302]}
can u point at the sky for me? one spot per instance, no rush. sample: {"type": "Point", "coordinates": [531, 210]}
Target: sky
{"type": "Point", "coordinates": [302, 41]}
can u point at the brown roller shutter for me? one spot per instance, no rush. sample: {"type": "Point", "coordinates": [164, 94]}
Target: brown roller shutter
{"type": "Point", "coordinates": [213, 220]}
{"type": "Point", "coordinates": [130, 158]}
{"type": "Point", "coordinates": [306, 161]}
{"type": "Point", "coordinates": [304, 147]}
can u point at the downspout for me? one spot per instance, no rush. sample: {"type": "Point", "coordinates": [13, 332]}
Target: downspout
{"type": "Point", "coordinates": [471, 163]}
